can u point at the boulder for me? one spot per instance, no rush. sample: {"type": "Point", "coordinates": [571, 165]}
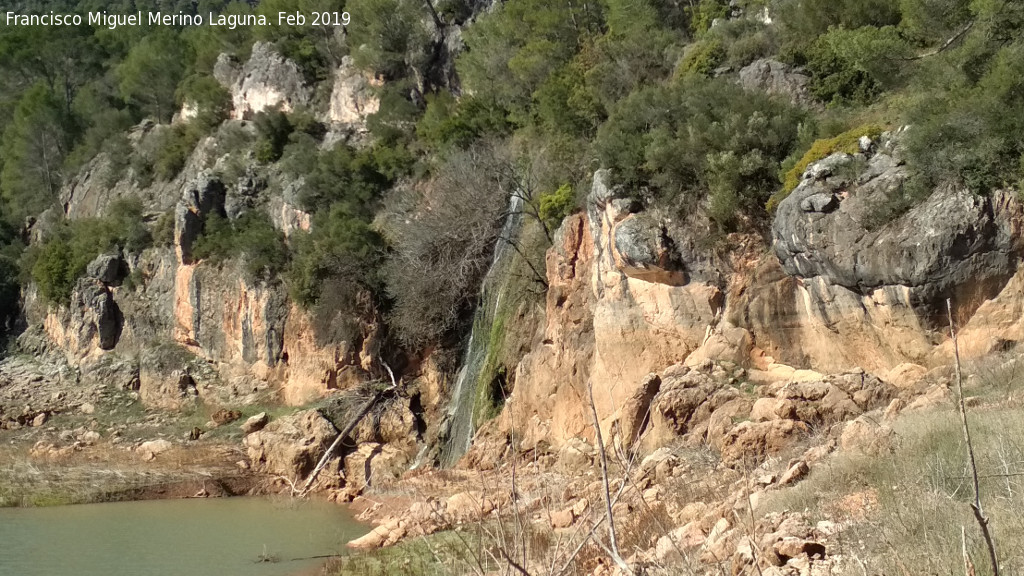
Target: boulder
{"type": "Point", "coordinates": [866, 436]}
{"type": "Point", "coordinates": [774, 77]}
{"type": "Point", "coordinates": [766, 409]}
{"type": "Point", "coordinates": [753, 441]}
{"type": "Point", "coordinates": [562, 518]}
{"type": "Point", "coordinates": [794, 547]}
{"type": "Point", "coordinates": [645, 251]}
{"type": "Point", "coordinates": [634, 415]}
{"type": "Point", "coordinates": [292, 445]}
{"type": "Point", "coordinates": [386, 534]}
{"type": "Point", "coordinates": [254, 423]}
{"type": "Point", "coordinates": [468, 506]}
{"type": "Point", "coordinates": [353, 97]}
{"type": "Point", "coordinates": [168, 390]}
{"type": "Point", "coordinates": [111, 370]}
{"type": "Point", "coordinates": [223, 416]}
{"type": "Point", "coordinates": [724, 418]}
{"type": "Point", "coordinates": [795, 472]}
{"type": "Point", "coordinates": [201, 197]}
{"type": "Point", "coordinates": [576, 455]}
{"type": "Point", "coordinates": [109, 269]}
{"type": "Point", "coordinates": [726, 343]}
{"type": "Point", "coordinates": [681, 539]}
{"type": "Point", "coordinates": [267, 80]}
{"type": "Point", "coordinates": [95, 318]}
{"type": "Point", "coordinates": [906, 375]}
{"type": "Point", "coordinates": [149, 450]}
{"type": "Point", "coordinates": [373, 463]}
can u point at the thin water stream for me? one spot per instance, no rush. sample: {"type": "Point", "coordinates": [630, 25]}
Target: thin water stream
{"type": "Point", "coordinates": [194, 537]}
{"type": "Point", "coordinates": [460, 412]}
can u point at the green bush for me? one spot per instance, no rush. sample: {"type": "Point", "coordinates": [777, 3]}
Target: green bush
{"type": "Point", "coordinates": [163, 230]}
{"type": "Point", "coordinates": [705, 13]}
{"type": "Point", "coordinates": [58, 263]}
{"type": "Point", "coordinates": [848, 142]}
{"type": "Point", "coordinates": [343, 176]}
{"type": "Point", "coordinates": [448, 123]}
{"type": "Point", "coordinates": [10, 292]}
{"type": "Point", "coordinates": [212, 101]}
{"type": "Point", "coordinates": [703, 57]}
{"type": "Point", "coordinates": [173, 149]}
{"type": "Point", "coordinates": [274, 128]}
{"type": "Point", "coordinates": [252, 236]}
{"type": "Point", "coordinates": [342, 249]}
{"type": "Point", "coordinates": [802, 21]}
{"type": "Point", "coordinates": [556, 205]}
{"type": "Point", "coordinates": [972, 133]}
{"type": "Point", "coordinates": [854, 65]}
{"type": "Point", "coordinates": [700, 137]}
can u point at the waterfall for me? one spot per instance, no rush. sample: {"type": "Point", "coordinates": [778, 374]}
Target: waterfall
{"type": "Point", "coordinates": [459, 428]}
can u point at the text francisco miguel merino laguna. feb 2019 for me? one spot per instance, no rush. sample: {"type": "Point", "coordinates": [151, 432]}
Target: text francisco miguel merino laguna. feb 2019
{"type": "Point", "coordinates": [113, 21]}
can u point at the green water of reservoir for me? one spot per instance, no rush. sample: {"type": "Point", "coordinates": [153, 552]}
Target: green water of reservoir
{"type": "Point", "coordinates": [208, 537]}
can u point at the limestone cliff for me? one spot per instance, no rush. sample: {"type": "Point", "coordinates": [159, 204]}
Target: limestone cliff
{"type": "Point", "coordinates": [634, 292]}
{"type": "Point", "coordinates": [182, 327]}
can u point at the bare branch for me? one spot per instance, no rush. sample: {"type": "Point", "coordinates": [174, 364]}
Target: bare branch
{"type": "Point", "coordinates": [979, 513]}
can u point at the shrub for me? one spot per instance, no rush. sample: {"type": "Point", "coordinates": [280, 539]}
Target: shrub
{"type": "Point", "coordinates": [274, 128]}
{"type": "Point", "coordinates": [341, 250]}
{"type": "Point", "coordinates": [854, 65]}
{"type": "Point", "coordinates": [703, 57]}
{"type": "Point", "coordinates": [556, 205]}
{"type": "Point", "coordinates": [677, 140]}
{"type": "Point", "coordinates": [342, 176]}
{"type": "Point", "coordinates": [705, 13]}
{"type": "Point", "coordinates": [10, 291]}
{"type": "Point", "coordinates": [212, 101]}
{"type": "Point", "coordinates": [848, 142]}
{"type": "Point", "coordinates": [435, 268]}
{"type": "Point", "coordinates": [972, 133]}
{"type": "Point", "coordinates": [449, 123]}
{"type": "Point", "coordinates": [58, 263]}
{"type": "Point", "coordinates": [163, 230]}
{"type": "Point", "coordinates": [802, 21]}
{"type": "Point", "coordinates": [252, 236]}
{"type": "Point", "coordinates": [173, 149]}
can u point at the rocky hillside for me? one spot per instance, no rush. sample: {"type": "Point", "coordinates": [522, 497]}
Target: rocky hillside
{"type": "Point", "coordinates": [672, 268]}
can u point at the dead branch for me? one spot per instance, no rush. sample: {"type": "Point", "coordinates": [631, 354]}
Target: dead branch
{"type": "Point", "coordinates": [979, 513]}
{"type": "Point", "coordinates": [613, 545]}
{"type": "Point", "coordinates": [945, 45]}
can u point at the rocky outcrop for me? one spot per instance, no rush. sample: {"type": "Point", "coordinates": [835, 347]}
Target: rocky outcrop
{"type": "Point", "coordinates": [955, 244]}
{"type": "Point", "coordinates": [845, 288]}
{"type": "Point", "coordinates": [91, 321]}
{"type": "Point", "coordinates": [774, 77]}
{"type": "Point", "coordinates": [104, 180]}
{"type": "Point", "coordinates": [267, 80]}
{"type": "Point", "coordinates": [626, 298]}
{"type": "Point", "coordinates": [200, 198]}
{"type": "Point", "coordinates": [353, 97]}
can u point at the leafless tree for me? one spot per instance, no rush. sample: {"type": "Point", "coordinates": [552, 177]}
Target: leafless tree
{"type": "Point", "coordinates": [443, 236]}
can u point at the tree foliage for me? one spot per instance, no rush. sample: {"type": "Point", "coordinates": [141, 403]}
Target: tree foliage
{"type": "Point", "coordinates": [57, 264]}
{"type": "Point", "coordinates": [150, 73]}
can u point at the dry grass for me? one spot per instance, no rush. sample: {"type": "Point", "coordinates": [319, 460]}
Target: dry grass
{"type": "Point", "coordinates": [905, 509]}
